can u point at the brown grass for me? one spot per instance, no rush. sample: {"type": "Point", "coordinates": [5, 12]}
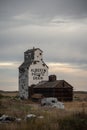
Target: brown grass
{"type": "Point", "coordinates": [11, 94]}
{"type": "Point", "coordinates": [12, 106]}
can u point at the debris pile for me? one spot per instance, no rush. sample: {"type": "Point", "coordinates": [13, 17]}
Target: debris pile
{"type": "Point", "coordinates": [53, 102]}
{"type": "Point", "coordinates": [30, 116]}
{"type": "Point", "coordinates": [8, 119]}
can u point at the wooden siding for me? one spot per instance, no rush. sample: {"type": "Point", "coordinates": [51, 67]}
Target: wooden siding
{"type": "Point", "coordinates": [65, 94]}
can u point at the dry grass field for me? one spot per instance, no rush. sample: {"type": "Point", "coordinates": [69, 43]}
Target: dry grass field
{"type": "Point", "coordinates": [72, 117]}
{"type": "Point", "coordinates": [8, 93]}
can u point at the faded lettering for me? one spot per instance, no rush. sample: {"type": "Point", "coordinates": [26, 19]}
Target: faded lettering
{"type": "Point", "coordinates": [38, 73]}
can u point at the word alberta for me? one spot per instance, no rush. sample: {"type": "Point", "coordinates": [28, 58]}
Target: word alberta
{"type": "Point", "coordinates": [38, 73]}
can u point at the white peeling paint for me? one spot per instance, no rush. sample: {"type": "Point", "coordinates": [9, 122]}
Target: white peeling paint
{"type": "Point", "coordinates": [34, 73]}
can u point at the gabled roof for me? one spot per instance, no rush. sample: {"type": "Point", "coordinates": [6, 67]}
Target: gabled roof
{"type": "Point", "coordinates": [53, 84]}
{"type": "Point", "coordinates": [32, 50]}
{"type": "Point", "coordinates": [25, 65]}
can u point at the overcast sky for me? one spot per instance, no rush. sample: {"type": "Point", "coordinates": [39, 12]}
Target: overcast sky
{"type": "Point", "coordinates": [58, 27]}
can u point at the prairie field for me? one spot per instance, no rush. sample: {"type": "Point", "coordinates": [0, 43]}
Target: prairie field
{"type": "Point", "coordinates": [73, 117]}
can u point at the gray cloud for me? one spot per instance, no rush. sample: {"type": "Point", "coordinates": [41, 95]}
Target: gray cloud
{"type": "Point", "coordinates": [58, 27]}
{"type": "Point", "coordinates": [65, 46]}
{"type": "Point", "coordinates": [40, 11]}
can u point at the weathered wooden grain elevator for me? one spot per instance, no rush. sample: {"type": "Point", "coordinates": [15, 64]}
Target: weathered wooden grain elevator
{"type": "Point", "coordinates": [32, 71]}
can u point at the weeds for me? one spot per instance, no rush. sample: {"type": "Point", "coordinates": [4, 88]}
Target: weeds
{"type": "Point", "coordinates": [74, 117]}
{"type": "Point", "coordinates": [76, 121]}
